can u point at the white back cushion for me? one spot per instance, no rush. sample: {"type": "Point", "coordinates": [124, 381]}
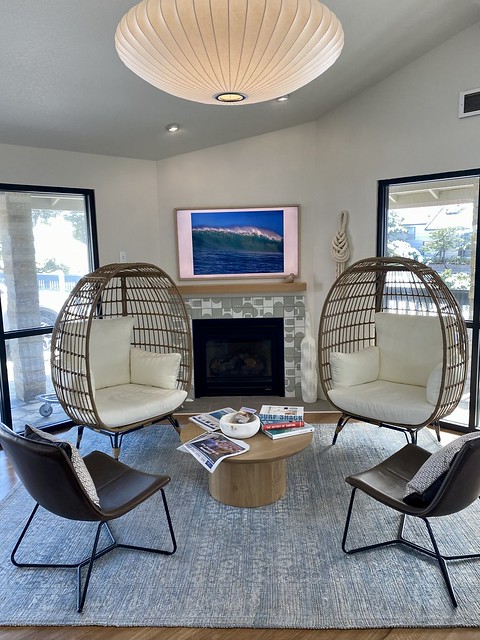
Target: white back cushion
{"type": "Point", "coordinates": [109, 351]}
{"type": "Point", "coordinates": [154, 369]}
{"type": "Point", "coordinates": [434, 383]}
{"type": "Point", "coordinates": [349, 369]}
{"type": "Point", "coordinates": [410, 347]}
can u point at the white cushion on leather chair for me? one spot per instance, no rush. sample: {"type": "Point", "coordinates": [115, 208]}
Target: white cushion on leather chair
{"type": "Point", "coordinates": [110, 341]}
{"type": "Point", "coordinates": [76, 459]}
{"type": "Point", "coordinates": [349, 369]}
{"type": "Point", "coordinates": [155, 369]}
{"type": "Point", "coordinates": [130, 403]}
{"type": "Point", "coordinates": [410, 347]}
{"type": "Point", "coordinates": [437, 464]}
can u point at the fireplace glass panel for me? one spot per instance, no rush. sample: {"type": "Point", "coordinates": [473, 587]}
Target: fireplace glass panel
{"type": "Point", "coordinates": [238, 359]}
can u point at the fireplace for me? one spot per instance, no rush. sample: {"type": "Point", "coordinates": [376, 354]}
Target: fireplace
{"type": "Point", "coordinates": [284, 305]}
{"type": "Point", "coordinates": [238, 356]}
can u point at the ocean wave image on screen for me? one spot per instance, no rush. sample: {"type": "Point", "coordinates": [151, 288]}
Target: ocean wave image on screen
{"type": "Point", "coordinates": [239, 249]}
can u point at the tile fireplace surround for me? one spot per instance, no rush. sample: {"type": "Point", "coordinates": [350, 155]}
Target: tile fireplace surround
{"type": "Point", "coordinates": [289, 306]}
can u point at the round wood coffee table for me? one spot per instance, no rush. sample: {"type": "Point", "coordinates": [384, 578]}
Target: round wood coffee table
{"type": "Point", "coordinates": [257, 477]}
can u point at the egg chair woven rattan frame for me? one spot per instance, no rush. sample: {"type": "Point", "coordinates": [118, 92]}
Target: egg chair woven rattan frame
{"type": "Point", "coordinates": [394, 285]}
{"type": "Point", "coordinates": [161, 325]}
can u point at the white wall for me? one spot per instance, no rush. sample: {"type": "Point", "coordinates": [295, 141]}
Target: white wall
{"type": "Point", "coordinates": [273, 169]}
{"type": "Point", "coordinates": [125, 194]}
{"type": "Point", "coordinates": [406, 125]}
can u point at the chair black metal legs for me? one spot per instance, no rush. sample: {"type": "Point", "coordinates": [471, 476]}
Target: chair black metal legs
{"type": "Point", "coordinates": [344, 418]}
{"type": "Point", "coordinates": [411, 435]}
{"type": "Point", "coordinates": [116, 437]}
{"type": "Point", "coordinates": [175, 423]}
{"type": "Point", "coordinates": [340, 424]}
{"type": "Point", "coordinates": [435, 553]}
{"type": "Point", "coordinates": [95, 554]}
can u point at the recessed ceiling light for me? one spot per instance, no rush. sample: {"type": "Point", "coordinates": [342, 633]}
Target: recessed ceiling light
{"type": "Point", "coordinates": [282, 98]}
{"type": "Point", "coordinates": [171, 128]}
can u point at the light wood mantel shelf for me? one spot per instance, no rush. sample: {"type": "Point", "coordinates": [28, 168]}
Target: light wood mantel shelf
{"type": "Point", "coordinates": [232, 288]}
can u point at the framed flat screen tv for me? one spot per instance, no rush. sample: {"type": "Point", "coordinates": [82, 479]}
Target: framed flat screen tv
{"type": "Point", "coordinates": [259, 242]}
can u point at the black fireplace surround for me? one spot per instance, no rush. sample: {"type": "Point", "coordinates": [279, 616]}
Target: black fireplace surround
{"type": "Point", "coordinates": [238, 356]}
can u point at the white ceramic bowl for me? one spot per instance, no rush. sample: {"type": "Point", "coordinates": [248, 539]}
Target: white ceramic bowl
{"type": "Point", "coordinates": [236, 430]}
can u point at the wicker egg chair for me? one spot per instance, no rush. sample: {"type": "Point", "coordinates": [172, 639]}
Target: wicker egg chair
{"type": "Point", "coordinates": [353, 350]}
{"type": "Point", "coordinates": [146, 299]}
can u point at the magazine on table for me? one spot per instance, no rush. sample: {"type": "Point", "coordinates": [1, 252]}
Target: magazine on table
{"type": "Point", "coordinates": [275, 434]}
{"type": "Point", "coordinates": [211, 448]}
{"type": "Point", "coordinates": [280, 415]}
{"type": "Point", "coordinates": [211, 421]}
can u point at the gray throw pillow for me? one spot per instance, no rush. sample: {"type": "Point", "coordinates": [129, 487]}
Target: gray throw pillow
{"type": "Point", "coordinates": [435, 467]}
{"type": "Point", "coordinates": [78, 464]}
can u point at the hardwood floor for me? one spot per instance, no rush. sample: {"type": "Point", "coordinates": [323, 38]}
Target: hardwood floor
{"type": "Point", "coordinates": [8, 481]}
{"type": "Point", "coordinates": [150, 633]}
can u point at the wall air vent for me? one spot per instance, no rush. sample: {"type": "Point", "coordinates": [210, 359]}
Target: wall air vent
{"type": "Point", "coordinates": [469, 103]}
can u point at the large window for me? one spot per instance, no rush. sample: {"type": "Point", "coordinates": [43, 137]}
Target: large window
{"type": "Point", "coordinates": [434, 219]}
{"type": "Point", "coordinates": [47, 242]}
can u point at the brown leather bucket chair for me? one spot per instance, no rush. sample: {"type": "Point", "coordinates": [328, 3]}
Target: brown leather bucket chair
{"type": "Point", "coordinates": [454, 490]}
{"type": "Point", "coordinates": [48, 474]}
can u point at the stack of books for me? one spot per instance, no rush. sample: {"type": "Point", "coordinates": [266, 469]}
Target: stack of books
{"type": "Point", "coordinates": [282, 422]}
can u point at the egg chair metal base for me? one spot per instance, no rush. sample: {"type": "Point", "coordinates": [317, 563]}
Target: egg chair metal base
{"type": "Point", "coordinates": [116, 437]}
{"type": "Point", "coordinates": [411, 434]}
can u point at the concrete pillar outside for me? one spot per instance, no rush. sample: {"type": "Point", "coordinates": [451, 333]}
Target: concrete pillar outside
{"type": "Point", "coordinates": [18, 253]}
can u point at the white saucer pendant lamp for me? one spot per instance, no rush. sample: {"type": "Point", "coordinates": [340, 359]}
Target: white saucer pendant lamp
{"type": "Point", "coordinates": [229, 51]}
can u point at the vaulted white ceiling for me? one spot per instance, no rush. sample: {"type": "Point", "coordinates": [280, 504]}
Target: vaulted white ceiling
{"type": "Point", "coordinates": [62, 85]}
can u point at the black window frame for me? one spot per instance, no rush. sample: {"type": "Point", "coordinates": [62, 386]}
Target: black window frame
{"type": "Point", "coordinates": [93, 257]}
{"type": "Point", "coordinates": [474, 323]}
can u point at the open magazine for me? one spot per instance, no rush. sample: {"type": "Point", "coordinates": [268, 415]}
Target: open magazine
{"type": "Point", "coordinates": [210, 421]}
{"type": "Point", "coordinates": [211, 448]}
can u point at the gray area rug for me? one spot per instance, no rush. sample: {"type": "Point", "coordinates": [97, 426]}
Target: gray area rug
{"type": "Point", "coordinates": [279, 566]}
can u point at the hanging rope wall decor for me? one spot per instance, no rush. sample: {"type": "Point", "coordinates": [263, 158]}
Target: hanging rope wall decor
{"type": "Point", "coordinates": [340, 248]}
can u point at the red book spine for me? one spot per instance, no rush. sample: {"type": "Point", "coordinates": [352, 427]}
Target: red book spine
{"type": "Point", "coordinates": [283, 425]}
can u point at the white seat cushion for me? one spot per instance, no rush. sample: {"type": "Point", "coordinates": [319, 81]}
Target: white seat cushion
{"type": "Point", "coordinates": [130, 403]}
{"type": "Point", "coordinates": [385, 401]}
